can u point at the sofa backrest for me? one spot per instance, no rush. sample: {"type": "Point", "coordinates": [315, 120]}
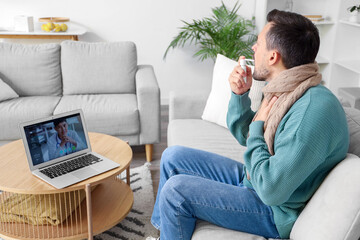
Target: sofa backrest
{"type": "Point", "coordinates": [90, 68]}
{"type": "Point", "coordinates": [31, 70]}
{"type": "Point", "coordinates": [334, 210]}
{"type": "Point", "coordinates": [353, 119]}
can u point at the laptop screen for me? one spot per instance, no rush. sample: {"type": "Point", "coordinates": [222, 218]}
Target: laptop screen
{"type": "Point", "coordinates": [50, 140]}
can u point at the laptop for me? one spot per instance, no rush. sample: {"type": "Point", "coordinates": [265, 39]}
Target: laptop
{"type": "Point", "coordinates": [59, 152]}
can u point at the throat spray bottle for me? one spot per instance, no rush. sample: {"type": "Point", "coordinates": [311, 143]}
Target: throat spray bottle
{"type": "Point", "coordinates": [243, 66]}
{"type": "Point", "coordinates": [243, 62]}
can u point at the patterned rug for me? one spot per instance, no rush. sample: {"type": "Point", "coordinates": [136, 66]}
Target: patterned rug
{"type": "Point", "coordinates": [137, 224]}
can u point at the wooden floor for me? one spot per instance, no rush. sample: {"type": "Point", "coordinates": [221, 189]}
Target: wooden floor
{"type": "Point", "coordinates": [139, 157]}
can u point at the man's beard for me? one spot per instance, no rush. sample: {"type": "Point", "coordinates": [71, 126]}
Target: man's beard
{"type": "Point", "coordinates": [261, 75]}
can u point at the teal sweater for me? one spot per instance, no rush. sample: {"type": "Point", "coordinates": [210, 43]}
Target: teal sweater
{"type": "Point", "coordinates": [310, 140]}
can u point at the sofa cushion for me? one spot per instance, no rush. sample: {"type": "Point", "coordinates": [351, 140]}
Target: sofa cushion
{"type": "Point", "coordinates": [114, 114]}
{"type": "Point", "coordinates": [208, 231]}
{"type": "Point", "coordinates": [334, 210]}
{"type": "Point", "coordinates": [6, 92]}
{"type": "Point", "coordinates": [204, 135]}
{"type": "Point", "coordinates": [23, 109]}
{"type": "Point", "coordinates": [89, 68]}
{"type": "Point", "coordinates": [353, 119]}
{"type": "Point", "coordinates": [31, 70]}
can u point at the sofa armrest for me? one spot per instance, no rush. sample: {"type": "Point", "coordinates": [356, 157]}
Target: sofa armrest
{"type": "Point", "coordinates": [148, 97]}
{"type": "Point", "coordinates": [333, 210]}
{"type": "Point", "coordinates": [187, 105]}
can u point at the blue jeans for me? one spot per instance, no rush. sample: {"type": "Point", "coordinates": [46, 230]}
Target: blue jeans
{"type": "Point", "coordinates": [195, 184]}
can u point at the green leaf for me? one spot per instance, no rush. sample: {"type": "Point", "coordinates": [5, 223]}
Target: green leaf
{"type": "Point", "coordinates": [225, 32]}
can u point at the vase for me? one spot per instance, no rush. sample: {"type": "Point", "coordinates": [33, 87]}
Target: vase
{"type": "Point", "coordinates": [354, 17]}
{"type": "Point", "coordinates": [289, 5]}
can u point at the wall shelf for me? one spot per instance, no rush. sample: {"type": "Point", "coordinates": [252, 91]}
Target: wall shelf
{"type": "Point", "coordinates": [353, 65]}
{"type": "Point", "coordinates": [350, 23]}
{"type": "Point", "coordinates": [321, 60]}
{"type": "Point", "coordinates": [326, 22]}
{"type": "Point", "coordinates": [73, 33]}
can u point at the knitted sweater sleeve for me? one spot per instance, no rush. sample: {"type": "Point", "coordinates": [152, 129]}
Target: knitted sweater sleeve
{"type": "Point", "coordinates": [239, 116]}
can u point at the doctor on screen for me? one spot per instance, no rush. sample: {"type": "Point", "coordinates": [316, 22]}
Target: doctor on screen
{"type": "Point", "coordinates": [64, 141]}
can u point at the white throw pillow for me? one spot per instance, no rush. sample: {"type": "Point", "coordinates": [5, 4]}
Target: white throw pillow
{"type": "Point", "coordinates": [6, 92]}
{"type": "Point", "coordinates": [217, 103]}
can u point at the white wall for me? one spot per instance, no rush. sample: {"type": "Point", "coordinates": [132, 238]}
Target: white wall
{"type": "Point", "coordinates": [151, 24]}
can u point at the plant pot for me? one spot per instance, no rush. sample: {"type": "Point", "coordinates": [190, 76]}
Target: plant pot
{"type": "Point", "coordinates": [354, 17]}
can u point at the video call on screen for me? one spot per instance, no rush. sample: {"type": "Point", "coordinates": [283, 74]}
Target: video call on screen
{"type": "Point", "coordinates": [45, 141]}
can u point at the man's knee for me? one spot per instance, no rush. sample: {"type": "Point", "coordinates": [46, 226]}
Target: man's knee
{"type": "Point", "coordinates": [173, 192]}
{"type": "Point", "coordinates": [172, 155]}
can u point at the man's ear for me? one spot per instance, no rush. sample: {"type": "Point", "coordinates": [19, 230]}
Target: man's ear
{"type": "Point", "coordinates": [274, 57]}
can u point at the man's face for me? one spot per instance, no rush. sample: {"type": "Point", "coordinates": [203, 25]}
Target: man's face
{"type": "Point", "coordinates": [61, 129]}
{"type": "Point", "coordinates": [261, 53]}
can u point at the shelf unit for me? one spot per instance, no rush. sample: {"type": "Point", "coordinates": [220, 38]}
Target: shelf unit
{"type": "Point", "coordinates": [325, 22]}
{"type": "Point", "coordinates": [344, 21]}
{"type": "Point", "coordinates": [346, 70]}
{"type": "Point", "coordinates": [352, 65]}
{"type": "Point", "coordinates": [321, 60]}
{"type": "Point", "coordinates": [347, 58]}
{"type": "Point", "coordinates": [339, 53]}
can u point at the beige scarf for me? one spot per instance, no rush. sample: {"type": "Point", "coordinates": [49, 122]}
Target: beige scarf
{"type": "Point", "coordinates": [288, 86]}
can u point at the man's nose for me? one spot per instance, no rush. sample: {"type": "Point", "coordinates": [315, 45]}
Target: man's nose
{"type": "Point", "coordinates": [253, 47]}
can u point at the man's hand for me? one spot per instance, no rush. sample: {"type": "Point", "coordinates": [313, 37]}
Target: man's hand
{"type": "Point", "coordinates": [262, 115]}
{"type": "Point", "coordinates": [66, 139]}
{"type": "Point", "coordinates": [236, 79]}
{"type": "Point", "coordinates": [264, 109]}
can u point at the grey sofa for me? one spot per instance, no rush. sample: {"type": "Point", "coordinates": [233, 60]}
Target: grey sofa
{"type": "Point", "coordinates": [333, 213]}
{"type": "Point", "coordinates": [118, 96]}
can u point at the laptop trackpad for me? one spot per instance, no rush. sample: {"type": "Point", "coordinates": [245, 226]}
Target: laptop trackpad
{"type": "Point", "coordinates": [85, 173]}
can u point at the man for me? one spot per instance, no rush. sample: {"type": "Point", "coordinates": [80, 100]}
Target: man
{"type": "Point", "coordinates": [297, 136]}
{"type": "Point", "coordinates": [64, 141]}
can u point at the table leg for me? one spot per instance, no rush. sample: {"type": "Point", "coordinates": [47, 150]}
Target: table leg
{"type": "Point", "coordinates": [89, 211]}
{"type": "Point", "coordinates": [128, 175]}
{"type": "Point", "coordinates": [128, 172]}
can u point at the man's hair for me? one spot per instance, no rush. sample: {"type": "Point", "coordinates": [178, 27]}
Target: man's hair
{"type": "Point", "coordinates": [294, 36]}
{"type": "Point", "coordinates": [58, 121]}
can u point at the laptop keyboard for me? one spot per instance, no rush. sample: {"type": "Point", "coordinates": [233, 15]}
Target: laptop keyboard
{"type": "Point", "coordinates": [70, 166]}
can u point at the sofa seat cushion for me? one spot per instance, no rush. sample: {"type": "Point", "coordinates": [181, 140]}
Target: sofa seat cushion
{"type": "Point", "coordinates": [31, 70]}
{"type": "Point", "coordinates": [113, 114]}
{"type": "Point", "coordinates": [98, 68]}
{"type": "Point", "coordinates": [204, 135]}
{"type": "Point", "coordinates": [23, 109]}
{"type": "Point", "coordinates": [208, 231]}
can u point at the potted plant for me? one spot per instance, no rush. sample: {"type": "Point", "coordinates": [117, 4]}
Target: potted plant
{"type": "Point", "coordinates": [354, 11]}
{"type": "Point", "coordinates": [225, 32]}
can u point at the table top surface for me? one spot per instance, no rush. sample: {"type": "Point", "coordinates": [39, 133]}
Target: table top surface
{"type": "Point", "coordinates": [15, 175]}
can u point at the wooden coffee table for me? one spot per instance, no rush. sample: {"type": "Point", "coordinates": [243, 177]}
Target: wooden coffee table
{"type": "Point", "coordinates": [103, 207]}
